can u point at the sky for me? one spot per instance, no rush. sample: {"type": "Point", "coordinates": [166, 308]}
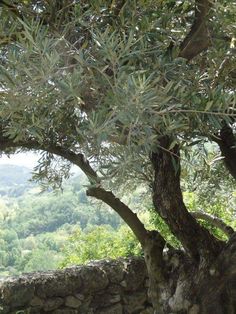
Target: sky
{"type": "Point", "coordinates": [28, 159]}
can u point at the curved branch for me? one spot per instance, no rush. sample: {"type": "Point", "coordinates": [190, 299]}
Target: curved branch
{"type": "Point", "coordinates": [198, 39]}
{"type": "Point", "coordinates": [215, 221]}
{"type": "Point", "coordinates": [123, 210]}
{"type": "Point", "coordinates": [79, 160]}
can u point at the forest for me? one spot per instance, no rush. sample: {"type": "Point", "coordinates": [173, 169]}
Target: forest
{"type": "Point", "coordinates": [48, 230]}
{"type": "Point", "coordinates": [42, 230]}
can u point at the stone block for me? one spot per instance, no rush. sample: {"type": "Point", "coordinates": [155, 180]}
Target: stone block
{"type": "Point", "coordinates": [72, 302]}
{"type": "Point", "coordinates": [115, 309]}
{"type": "Point", "coordinates": [135, 274]}
{"type": "Point", "coordinates": [148, 310]}
{"type": "Point", "coordinates": [104, 300]}
{"type": "Point", "coordinates": [114, 289]}
{"type": "Point", "coordinates": [65, 311]}
{"type": "Point", "coordinates": [79, 296]}
{"type": "Point", "coordinates": [86, 305]}
{"type": "Point", "coordinates": [60, 283]}
{"type": "Point", "coordinates": [36, 302]}
{"type": "Point", "coordinates": [16, 292]}
{"type": "Point", "coordinates": [52, 304]}
{"type": "Point", "coordinates": [94, 279]}
{"type": "Point", "coordinates": [114, 269]}
{"type": "Point", "coordinates": [135, 303]}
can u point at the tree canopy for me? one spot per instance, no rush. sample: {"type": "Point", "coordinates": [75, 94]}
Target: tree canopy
{"type": "Point", "coordinates": [109, 78]}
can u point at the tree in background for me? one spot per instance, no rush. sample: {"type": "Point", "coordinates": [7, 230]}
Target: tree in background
{"type": "Point", "coordinates": [126, 91]}
{"type": "Point", "coordinates": [99, 242]}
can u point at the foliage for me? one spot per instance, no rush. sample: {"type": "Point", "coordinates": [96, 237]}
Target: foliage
{"type": "Point", "coordinates": [100, 242]}
{"type": "Point", "coordinates": [25, 242]}
{"type": "Point", "coordinates": [100, 78]}
{"type": "Point", "coordinates": [35, 226]}
{"type": "Point", "coordinates": [207, 188]}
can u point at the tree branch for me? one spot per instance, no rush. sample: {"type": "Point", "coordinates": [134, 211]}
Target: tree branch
{"type": "Point", "coordinates": [117, 6]}
{"type": "Point", "coordinates": [79, 160]}
{"type": "Point", "coordinates": [198, 39]}
{"type": "Point", "coordinates": [123, 210]}
{"type": "Point", "coordinates": [215, 221]}
{"type": "Point", "coordinates": [168, 202]}
{"type": "Point", "coordinates": [227, 144]}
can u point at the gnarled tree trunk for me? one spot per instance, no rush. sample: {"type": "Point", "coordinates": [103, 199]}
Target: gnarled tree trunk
{"type": "Point", "coordinates": [185, 287]}
{"type": "Point", "coordinates": [201, 278]}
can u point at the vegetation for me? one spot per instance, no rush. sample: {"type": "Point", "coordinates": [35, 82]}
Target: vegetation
{"type": "Point", "coordinates": [100, 242]}
{"type": "Point", "coordinates": [136, 94]}
{"type": "Point", "coordinates": [41, 231]}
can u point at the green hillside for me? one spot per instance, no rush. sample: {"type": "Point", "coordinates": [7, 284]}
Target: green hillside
{"type": "Point", "coordinates": [14, 180]}
{"type": "Point", "coordinates": [11, 175]}
{"type": "Point", "coordinates": [39, 231]}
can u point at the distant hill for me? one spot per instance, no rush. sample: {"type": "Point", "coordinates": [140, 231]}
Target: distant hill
{"type": "Point", "coordinates": [14, 180]}
{"type": "Point", "coordinates": [36, 225]}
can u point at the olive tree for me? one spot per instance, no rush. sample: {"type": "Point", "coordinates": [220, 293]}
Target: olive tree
{"type": "Point", "coordinates": [128, 91]}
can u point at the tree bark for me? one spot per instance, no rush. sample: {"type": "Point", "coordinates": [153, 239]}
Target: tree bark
{"type": "Point", "coordinates": [122, 210]}
{"type": "Point", "coordinates": [198, 38]}
{"type": "Point", "coordinates": [227, 144]}
{"type": "Point", "coordinates": [188, 289]}
{"type": "Point", "coordinates": [156, 267]}
{"type": "Point", "coordinates": [168, 202]}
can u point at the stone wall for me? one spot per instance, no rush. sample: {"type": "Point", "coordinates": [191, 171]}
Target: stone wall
{"type": "Point", "coordinates": [103, 287]}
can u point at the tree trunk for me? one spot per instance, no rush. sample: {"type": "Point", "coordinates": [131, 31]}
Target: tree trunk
{"type": "Point", "coordinates": [227, 144]}
{"type": "Point", "coordinates": [181, 286]}
{"type": "Point", "coordinates": [168, 203]}
{"type": "Point", "coordinates": [194, 280]}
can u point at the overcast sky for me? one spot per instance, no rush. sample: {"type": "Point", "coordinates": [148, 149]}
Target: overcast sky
{"type": "Point", "coordinates": [28, 160]}
{"type": "Point", "coordinates": [22, 159]}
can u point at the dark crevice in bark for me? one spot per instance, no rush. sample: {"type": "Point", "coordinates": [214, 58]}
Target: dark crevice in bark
{"type": "Point", "coordinates": [168, 202]}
